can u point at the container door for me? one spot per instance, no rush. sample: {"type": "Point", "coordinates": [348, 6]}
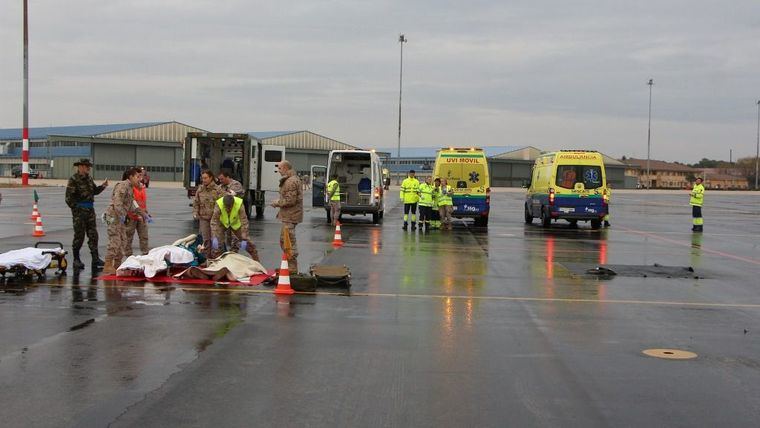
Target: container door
{"type": "Point", "coordinates": [270, 176]}
{"type": "Point", "coordinates": [253, 168]}
{"type": "Point", "coordinates": [318, 182]}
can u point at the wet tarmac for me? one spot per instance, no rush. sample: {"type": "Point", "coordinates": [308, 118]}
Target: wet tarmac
{"type": "Point", "coordinates": [471, 327]}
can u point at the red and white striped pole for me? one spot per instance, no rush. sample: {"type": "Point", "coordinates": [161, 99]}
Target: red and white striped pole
{"type": "Point", "coordinates": [25, 132]}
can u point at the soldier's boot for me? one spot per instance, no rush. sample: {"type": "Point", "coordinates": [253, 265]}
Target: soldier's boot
{"type": "Point", "coordinates": [95, 265]}
{"type": "Point", "coordinates": [108, 268]}
{"type": "Point", "coordinates": [78, 265]}
{"type": "Point", "coordinates": [96, 259]}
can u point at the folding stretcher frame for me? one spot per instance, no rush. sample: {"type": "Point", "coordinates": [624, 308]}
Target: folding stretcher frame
{"type": "Point", "coordinates": [58, 262]}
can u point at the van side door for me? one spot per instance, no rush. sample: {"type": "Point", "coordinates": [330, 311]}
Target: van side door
{"type": "Point", "coordinates": [318, 182]}
{"type": "Point", "coordinates": [270, 175]}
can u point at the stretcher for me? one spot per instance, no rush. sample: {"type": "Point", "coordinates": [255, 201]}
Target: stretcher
{"type": "Point", "coordinates": [31, 261]}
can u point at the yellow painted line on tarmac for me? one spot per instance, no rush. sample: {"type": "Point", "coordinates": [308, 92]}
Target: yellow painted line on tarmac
{"type": "Point", "coordinates": [688, 244]}
{"type": "Point", "coordinates": [258, 290]}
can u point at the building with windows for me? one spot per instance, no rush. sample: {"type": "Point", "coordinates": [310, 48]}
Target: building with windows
{"type": "Point", "coordinates": [662, 175]}
{"type": "Point", "coordinates": [724, 179]}
{"type": "Point", "coordinates": [303, 149]}
{"type": "Point", "coordinates": [158, 146]}
{"type": "Point", "coordinates": [113, 148]}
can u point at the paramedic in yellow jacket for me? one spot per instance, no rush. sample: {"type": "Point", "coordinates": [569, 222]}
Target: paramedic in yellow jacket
{"type": "Point", "coordinates": [609, 199]}
{"type": "Point", "coordinates": [445, 204]}
{"type": "Point", "coordinates": [229, 226]}
{"type": "Point", "coordinates": [410, 195]}
{"type": "Point", "coordinates": [333, 196]}
{"type": "Point", "coordinates": [696, 200]}
{"type": "Point", "coordinates": [425, 203]}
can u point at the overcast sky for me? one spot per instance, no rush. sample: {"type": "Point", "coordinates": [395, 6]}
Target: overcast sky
{"type": "Point", "coordinates": [552, 74]}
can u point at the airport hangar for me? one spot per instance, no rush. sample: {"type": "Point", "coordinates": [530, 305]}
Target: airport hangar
{"type": "Point", "coordinates": [158, 146]}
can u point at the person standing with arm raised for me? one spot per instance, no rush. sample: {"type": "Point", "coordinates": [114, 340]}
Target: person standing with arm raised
{"type": "Point", "coordinates": [80, 197]}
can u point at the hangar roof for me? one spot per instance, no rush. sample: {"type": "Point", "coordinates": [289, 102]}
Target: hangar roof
{"type": "Point", "coordinates": [39, 133]}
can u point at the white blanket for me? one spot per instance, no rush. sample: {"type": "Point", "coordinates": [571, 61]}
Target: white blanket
{"type": "Point", "coordinates": [31, 258]}
{"type": "Point", "coordinates": [155, 261]}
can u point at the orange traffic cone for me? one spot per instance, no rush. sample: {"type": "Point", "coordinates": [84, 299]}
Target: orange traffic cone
{"type": "Point", "coordinates": [35, 212]}
{"type": "Point", "coordinates": [283, 283]}
{"type": "Point", "coordinates": [338, 239]}
{"type": "Point", "coordinates": [38, 231]}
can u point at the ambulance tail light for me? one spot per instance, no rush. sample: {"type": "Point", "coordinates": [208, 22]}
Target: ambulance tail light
{"type": "Point", "coordinates": [378, 192]}
{"type": "Point", "coordinates": [551, 196]}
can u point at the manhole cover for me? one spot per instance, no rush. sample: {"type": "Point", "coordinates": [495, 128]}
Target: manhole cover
{"type": "Point", "coordinates": [669, 354]}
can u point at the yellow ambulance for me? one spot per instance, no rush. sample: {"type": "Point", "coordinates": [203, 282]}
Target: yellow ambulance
{"type": "Point", "coordinates": [466, 170]}
{"type": "Point", "coordinates": [569, 185]}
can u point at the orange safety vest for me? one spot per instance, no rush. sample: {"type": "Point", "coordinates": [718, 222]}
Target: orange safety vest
{"type": "Point", "coordinates": [141, 197]}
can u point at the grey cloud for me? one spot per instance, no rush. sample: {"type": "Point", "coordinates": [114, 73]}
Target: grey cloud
{"type": "Point", "coordinates": [539, 72]}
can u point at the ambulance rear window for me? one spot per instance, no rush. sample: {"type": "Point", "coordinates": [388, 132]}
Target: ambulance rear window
{"type": "Point", "coordinates": [569, 175]}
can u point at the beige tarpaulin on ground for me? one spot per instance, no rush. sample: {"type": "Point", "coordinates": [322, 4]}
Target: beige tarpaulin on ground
{"type": "Point", "coordinates": [228, 267]}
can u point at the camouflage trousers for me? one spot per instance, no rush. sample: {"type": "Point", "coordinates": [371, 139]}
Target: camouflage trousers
{"type": "Point", "coordinates": [232, 239]}
{"type": "Point", "coordinates": [84, 224]}
{"type": "Point", "coordinates": [141, 227]}
{"type": "Point", "coordinates": [334, 211]}
{"type": "Point", "coordinates": [204, 227]}
{"type": "Point", "coordinates": [117, 235]}
{"type": "Point", "coordinates": [290, 229]}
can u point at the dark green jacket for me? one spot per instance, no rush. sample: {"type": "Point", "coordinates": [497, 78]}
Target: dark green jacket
{"type": "Point", "coordinates": [81, 191]}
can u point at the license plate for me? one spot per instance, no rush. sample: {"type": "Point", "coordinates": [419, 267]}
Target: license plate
{"type": "Point", "coordinates": [566, 210]}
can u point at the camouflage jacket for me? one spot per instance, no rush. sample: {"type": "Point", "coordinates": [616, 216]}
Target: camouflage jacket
{"type": "Point", "coordinates": [234, 188]}
{"type": "Point", "coordinates": [121, 201]}
{"type": "Point", "coordinates": [81, 189]}
{"type": "Point", "coordinates": [291, 199]}
{"type": "Point", "coordinates": [216, 225]}
{"type": "Point", "coordinates": [205, 200]}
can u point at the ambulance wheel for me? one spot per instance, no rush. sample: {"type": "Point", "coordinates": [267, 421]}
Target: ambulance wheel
{"type": "Point", "coordinates": [596, 224]}
{"type": "Point", "coordinates": [546, 220]}
{"type": "Point", "coordinates": [375, 218]}
{"type": "Point", "coordinates": [528, 217]}
{"type": "Point", "coordinates": [481, 221]}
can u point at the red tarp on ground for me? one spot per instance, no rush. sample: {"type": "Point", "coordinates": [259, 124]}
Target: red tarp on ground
{"type": "Point", "coordinates": [255, 279]}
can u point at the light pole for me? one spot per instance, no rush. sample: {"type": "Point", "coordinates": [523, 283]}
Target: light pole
{"type": "Point", "coordinates": [757, 153]}
{"type": "Point", "coordinates": [25, 129]}
{"type": "Point", "coordinates": [401, 41]}
{"type": "Point", "coordinates": [649, 133]}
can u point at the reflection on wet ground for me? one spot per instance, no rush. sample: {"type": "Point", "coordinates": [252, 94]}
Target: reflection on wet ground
{"type": "Point", "coordinates": [491, 323]}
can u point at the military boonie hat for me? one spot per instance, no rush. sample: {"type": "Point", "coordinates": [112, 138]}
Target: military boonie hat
{"type": "Point", "coordinates": [83, 161]}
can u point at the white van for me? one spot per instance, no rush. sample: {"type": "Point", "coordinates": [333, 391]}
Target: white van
{"type": "Point", "coordinates": [360, 175]}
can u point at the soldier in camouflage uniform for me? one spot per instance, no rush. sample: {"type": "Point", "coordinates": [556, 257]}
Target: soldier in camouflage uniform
{"type": "Point", "coordinates": [204, 202]}
{"type": "Point", "coordinates": [291, 210]}
{"type": "Point", "coordinates": [231, 186]}
{"type": "Point", "coordinates": [116, 218]}
{"type": "Point", "coordinates": [80, 197]}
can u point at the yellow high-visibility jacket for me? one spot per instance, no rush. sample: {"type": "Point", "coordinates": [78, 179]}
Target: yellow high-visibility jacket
{"type": "Point", "coordinates": [697, 195]}
{"type": "Point", "coordinates": [410, 190]}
